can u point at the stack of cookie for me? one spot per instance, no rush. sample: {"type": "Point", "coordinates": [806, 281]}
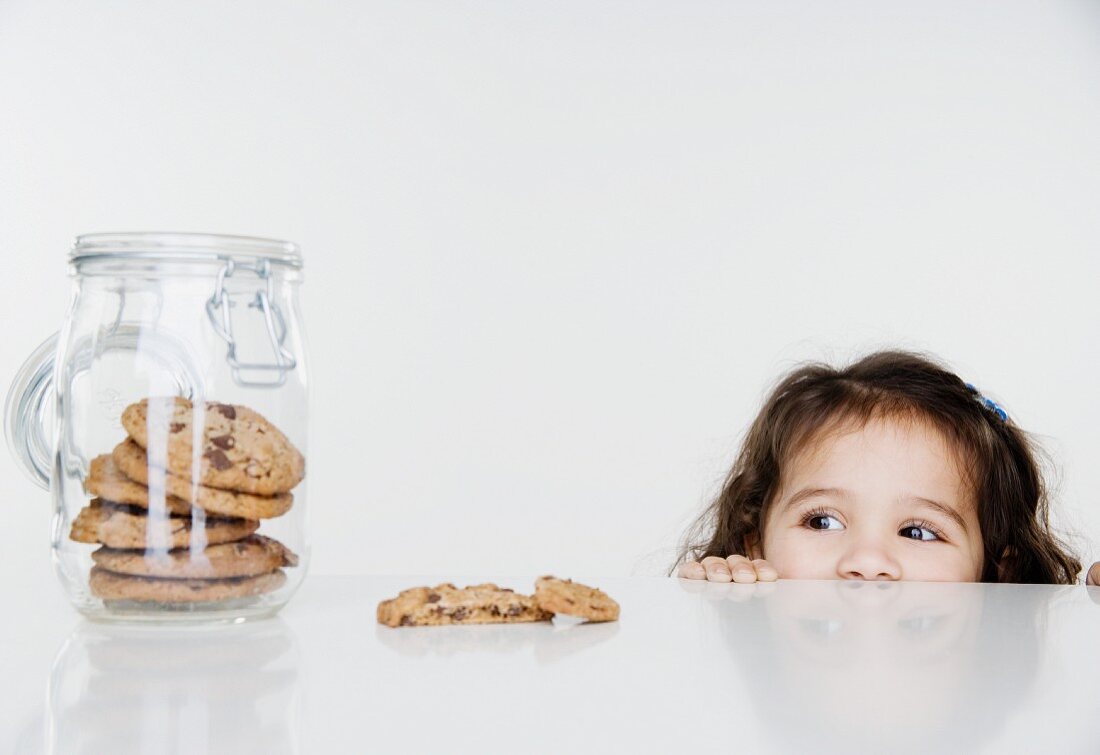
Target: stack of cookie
{"type": "Point", "coordinates": [174, 530]}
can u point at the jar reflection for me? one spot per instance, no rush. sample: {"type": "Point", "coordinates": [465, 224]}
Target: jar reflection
{"type": "Point", "coordinates": [125, 689]}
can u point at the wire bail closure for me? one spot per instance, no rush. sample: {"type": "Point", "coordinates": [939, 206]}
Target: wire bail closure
{"type": "Point", "coordinates": [218, 310]}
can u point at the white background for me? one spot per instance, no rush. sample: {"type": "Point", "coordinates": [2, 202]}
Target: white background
{"type": "Point", "coordinates": [557, 252]}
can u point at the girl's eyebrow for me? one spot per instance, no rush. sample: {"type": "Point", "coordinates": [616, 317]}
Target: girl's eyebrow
{"type": "Point", "coordinates": [947, 511]}
{"type": "Point", "coordinates": [805, 493]}
{"type": "Point", "coordinates": [944, 509]}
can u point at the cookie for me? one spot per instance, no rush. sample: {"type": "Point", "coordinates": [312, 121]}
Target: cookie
{"type": "Point", "coordinates": [241, 450]}
{"type": "Point", "coordinates": [107, 481]}
{"type": "Point", "coordinates": [446, 604]}
{"type": "Point", "coordinates": [574, 599]}
{"type": "Point", "coordinates": [118, 526]}
{"type": "Point", "coordinates": [131, 459]}
{"type": "Point", "coordinates": [110, 586]}
{"type": "Point", "coordinates": [252, 556]}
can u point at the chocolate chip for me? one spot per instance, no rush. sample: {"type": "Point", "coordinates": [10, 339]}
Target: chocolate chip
{"type": "Point", "coordinates": [433, 597]}
{"type": "Point", "coordinates": [494, 610]}
{"type": "Point", "coordinates": [224, 442]}
{"type": "Point", "coordinates": [175, 427]}
{"type": "Point", "coordinates": [218, 459]}
{"type": "Point", "coordinates": [515, 610]}
{"type": "Point", "coordinates": [225, 410]}
{"type": "Point", "coordinates": [460, 613]}
{"type": "Point", "coordinates": [406, 621]}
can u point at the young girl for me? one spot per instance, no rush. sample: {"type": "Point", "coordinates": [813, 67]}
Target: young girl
{"type": "Point", "coordinates": [892, 468]}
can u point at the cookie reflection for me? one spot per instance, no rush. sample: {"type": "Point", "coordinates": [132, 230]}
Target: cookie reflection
{"type": "Point", "coordinates": [886, 667]}
{"type": "Point", "coordinates": [549, 641]}
{"type": "Point", "coordinates": [148, 690]}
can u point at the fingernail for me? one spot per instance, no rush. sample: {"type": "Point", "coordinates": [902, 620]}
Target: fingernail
{"type": "Point", "coordinates": [745, 574]}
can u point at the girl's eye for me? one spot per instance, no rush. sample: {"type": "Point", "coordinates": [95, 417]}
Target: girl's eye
{"type": "Point", "coordinates": [820, 520]}
{"type": "Point", "coordinates": [914, 532]}
{"type": "Point", "coordinates": [816, 521]}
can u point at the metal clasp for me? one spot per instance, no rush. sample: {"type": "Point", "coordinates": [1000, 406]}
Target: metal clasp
{"type": "Point", "coordinates": [217, 309]}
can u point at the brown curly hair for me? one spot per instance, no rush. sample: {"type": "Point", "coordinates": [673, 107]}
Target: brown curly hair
{"type": "Point", "coordinates": [998, 459]}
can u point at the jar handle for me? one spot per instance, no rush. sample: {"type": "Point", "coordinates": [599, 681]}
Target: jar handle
{"type": "Point", "coordinates": [29, 440]}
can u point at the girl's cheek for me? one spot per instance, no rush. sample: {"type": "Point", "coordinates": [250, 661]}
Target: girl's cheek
{"type": "Point", "coordinates": [796, 556]}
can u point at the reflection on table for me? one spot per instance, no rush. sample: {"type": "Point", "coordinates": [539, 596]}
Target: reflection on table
{"type": "Point", "coordinates": [882, 667]}
{"type": "Point", "coordinates": [124, 689]}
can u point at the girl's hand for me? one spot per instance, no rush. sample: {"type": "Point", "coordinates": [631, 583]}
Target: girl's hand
{"type": "Point", "coordinates": [732, 569]}
{"type": "Point", "coordinates": [1094, 574]}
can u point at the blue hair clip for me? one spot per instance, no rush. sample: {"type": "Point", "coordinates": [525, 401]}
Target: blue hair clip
{"type": "Point", "coordinates": [989, 404]}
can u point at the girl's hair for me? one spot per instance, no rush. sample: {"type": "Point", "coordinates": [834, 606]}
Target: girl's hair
{"type": "Point", "coordinates": [997, 459]}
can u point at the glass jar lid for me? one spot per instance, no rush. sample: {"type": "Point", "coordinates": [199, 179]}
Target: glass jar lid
{"type": "Point", "coordinates": [201, 247]}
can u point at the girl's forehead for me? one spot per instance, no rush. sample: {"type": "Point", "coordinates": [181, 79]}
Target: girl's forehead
{"type": "Point", "coordinates": [875, 434]}
{"type": "Point", "coordinates": [879, 450]}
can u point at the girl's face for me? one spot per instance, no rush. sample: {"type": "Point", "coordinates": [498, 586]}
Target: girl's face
{"type": "Point", "coordinates": [881, 502]}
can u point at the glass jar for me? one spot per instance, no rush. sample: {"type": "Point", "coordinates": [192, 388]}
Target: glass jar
{"type": "Point", "coordinates": [168, 419]}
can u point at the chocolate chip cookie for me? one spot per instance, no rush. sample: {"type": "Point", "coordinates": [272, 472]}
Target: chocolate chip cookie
{"type": "Point", "coordinates": [446, 604]}
{"type": "Point", "coordinates": [110, 586]}
{"type": "Point", "coordinates": [574, 599]}
{"type": "Point", "coordinates": [121, 526]}
{"type": "Point", "coordinates": [250, 557]}
{"type": "Point", "coordinates": [241, 450]}
{"type": "Point", "coordinates": [131, 459]}
{"type": "Point", "coordinates": [107, 481]}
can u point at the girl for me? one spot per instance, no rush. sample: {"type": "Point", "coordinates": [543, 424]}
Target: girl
{"type": "Point", "coordinates": [892, 468]}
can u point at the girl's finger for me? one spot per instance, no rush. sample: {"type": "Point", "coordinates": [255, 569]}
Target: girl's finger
{"type": "Point", "coordinates": [741, 569]}
{"type": "Point", "coordinates": [717, 569]}
{"type": "Point", "coordinates": [765, 572]}
{"type": "Point", "coordinates": [692, 570]}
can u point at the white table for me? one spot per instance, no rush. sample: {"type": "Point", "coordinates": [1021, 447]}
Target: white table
{"type": "Point", "coordinates": [790, 667]}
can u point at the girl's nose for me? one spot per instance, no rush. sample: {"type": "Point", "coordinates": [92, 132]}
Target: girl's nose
{"type": "Point", "coordinates": [868, 560]}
